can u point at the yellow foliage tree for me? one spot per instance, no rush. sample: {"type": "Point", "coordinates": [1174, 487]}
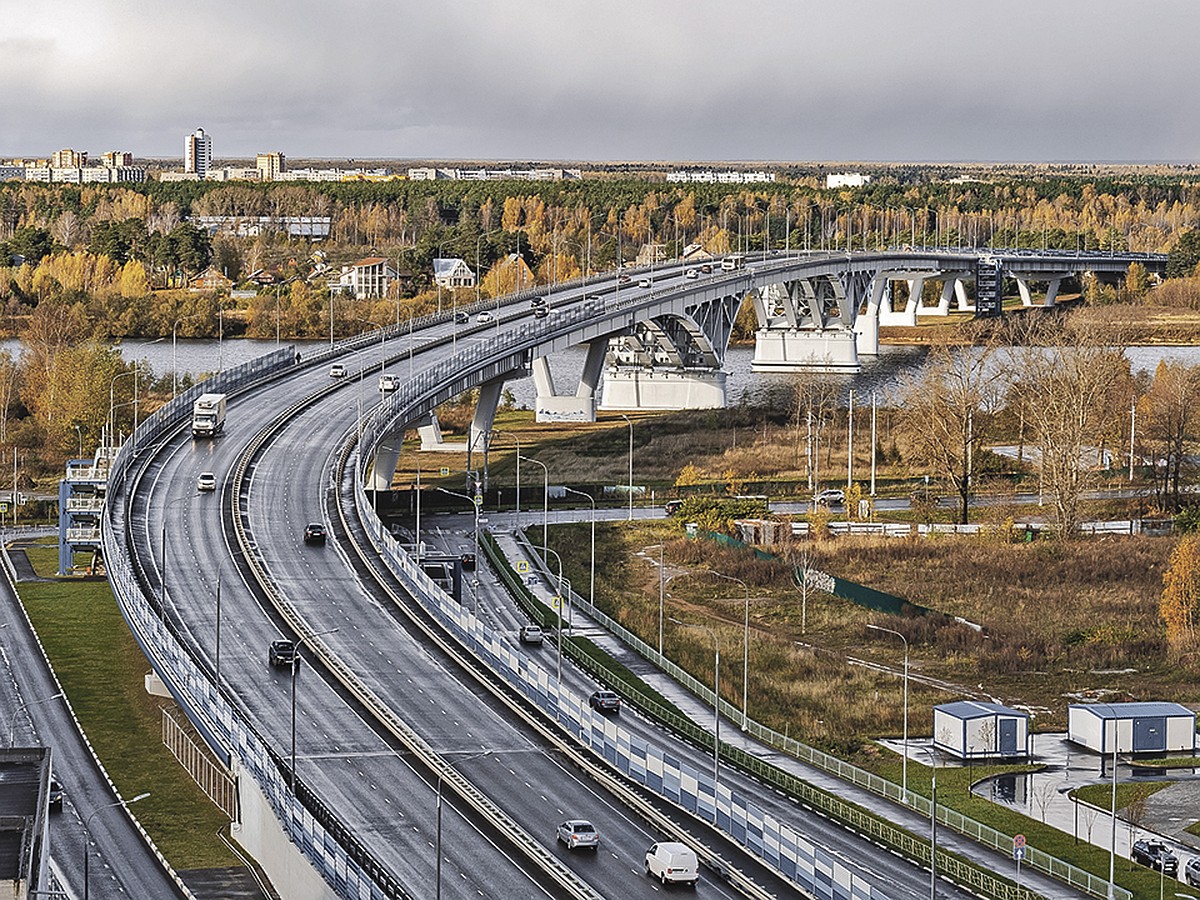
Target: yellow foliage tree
{"type": "Point", "coordinates": [690, 474]}
{"type": "Point", "coordinates": [1180, 603]}
{"type": "Point", "coordinates": [134, 282]}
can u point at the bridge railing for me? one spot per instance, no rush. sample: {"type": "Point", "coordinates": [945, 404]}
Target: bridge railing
{"type": "Point", "coordinates": [333, 849]}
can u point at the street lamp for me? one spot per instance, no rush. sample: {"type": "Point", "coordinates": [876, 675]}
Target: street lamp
{"type": "Point", "coordinates": [23, 706]}
{"type": "Point", "coordinates": [561, 596]}
{"type": "Point", "coordinates": [545, 499]}
{"type": "Point", "coordinates": [592, 584]}
{"type": "Point", "coordinates": [716, 705]}
{"type": "Point", "coordinates": [79, 431]}
{"type": "Point", "coordinates": [904, 764]}
{"type": "Point", "coordinates": [295, 665]}
{"type": "Point", "coordinates": [87, 823]}
{"type": "Point", "coordinates": [517, 441]}
{"type": "Point", "coordinates": [629, 422]}
{"type": "Point", "coordinates": [112, 398]}
{"type": "Point", "coordinates": [932, 824]}
{"type": "Point", "coordinates": [475, 509]}
{"type": "Point", "coordinates": [745, 647]}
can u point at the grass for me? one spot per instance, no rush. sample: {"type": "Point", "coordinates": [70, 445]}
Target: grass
{"type": "Point", "coordinates": [1128, 792]}
{"type": "Point", "coordinates": [79, 624]}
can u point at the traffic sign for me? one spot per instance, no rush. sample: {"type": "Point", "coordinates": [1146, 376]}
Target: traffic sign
{"type": "Point", "coordinates": [1018, 853]}
{"type": "Point", "coordinates": [444, 471]}
{"type": "Point", "coordinates": [1018, 840]}
{"type": "Point", "coordinates": [523, 566]}
{"type": "Point", "coordinates": [556, 601]}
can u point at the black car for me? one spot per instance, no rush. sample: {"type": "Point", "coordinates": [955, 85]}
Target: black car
{"type": "Point", "coordinates": [283, 654]}
{"type": "Point", "coordinates": [605, 702]}
{"type": "Point", "coordinates": [55, 796]}
{"type": "Point", "coordinates": [537, 301]}
{"type": "Point", "coordinates": [461, 318]}
{"type": "Point", "coordinates": [1155, 855]}
{"type": "Point", "coordinates": [314, 533]}
{"type": "Point", "coordinates": [467, 560]}
{"type": "Point", "coordinates": [540, 312]}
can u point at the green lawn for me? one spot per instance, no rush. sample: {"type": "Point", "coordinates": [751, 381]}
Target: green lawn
{"type": "Point", "coordinates": [102, 669]}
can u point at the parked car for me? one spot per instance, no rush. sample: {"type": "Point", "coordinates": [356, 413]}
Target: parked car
{"type": "Point", "coordinates": [337, 370]}
{"type": "Point", "coordinates": [532, 634]}
{"type": "Point", "coordinates": [1156, 855]}
{"type": "Point", "coordinates": [484, 317]}
{"type": "Point", "coordinates": [314, 533]}
{"type": "Point", "coordinates": [206, 481]}
{"type": "Point", "coordinates": [605, 702]}
{"type": "Point", "coordinates": [283, 654]}
{"type": "Point", "coordinates": [579, 834]}
{"type": "Point", "coordinates": [1191, 872]}
{"type": "Point", "coordinates": [54, 798]}
{"type": "Point", "coordinates": [830, 496]}
{"type": "Point", "coordinates": [673, 863]}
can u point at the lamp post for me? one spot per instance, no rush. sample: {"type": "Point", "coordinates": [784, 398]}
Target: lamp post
{"type": "Point", "coordinates": [22, 706]}
{"type": "Point", "coordinates": [545, 498]}
{"type": "Point", "coordinates": [517, 441]}
{"type": "Point", "coordinates": [629, 422]}
{"type": "Point", "coordinates": [112, 399]}
{"type": "Point", "coordinates": [162, 543]}
{"type": "Point", "coordinates": [79, 431]}
{"type": "Point", "coordinates": [716, 705]}
{"type": "Point", "coordinates": [475, 510]}
{"type": "Point", "coordinates": [561, 596]}
{"type": "Point", "coordinates": [438, 850]}
{"type": "Point", "coordinates": [87, 824]}
{"type": "Point", "coordinates": [904, 764]}
{"type": "Point", "coordinates": [295, 665]}
{"type": "Point", "coordinates": [174, 331]}
{"type": "Point", "coordinates": [745, 647]}
{"type": "Point", "coordinates": [661, 593]}
{"type": "Point", "coordinates": [1112, 847]}
{"type": "Point", "coordinates": [932, 824]}
{"type": "Point", "coordinates": [592, 582]}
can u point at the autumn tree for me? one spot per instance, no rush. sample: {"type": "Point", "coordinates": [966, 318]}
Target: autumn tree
{"type": "Point", "coordinates": [1167, 413]}
{"type": "Point", "coordinates": [1180, 602]}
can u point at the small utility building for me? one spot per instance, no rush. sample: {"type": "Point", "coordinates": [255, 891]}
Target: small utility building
{"type": "Point", "coordinates": [970, 729]}
{"type": "Point", "coordinates": [1134, 727]}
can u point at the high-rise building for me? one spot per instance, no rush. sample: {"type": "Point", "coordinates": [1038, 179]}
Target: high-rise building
{"type": "Point", "coordinates": [68, 159]}
{"type": "Point", "coordinates": [116, 159]}
{"type": "Point", "coordinates": [197, 153]}
{"type": "Point", "coordinates": [270, 165]}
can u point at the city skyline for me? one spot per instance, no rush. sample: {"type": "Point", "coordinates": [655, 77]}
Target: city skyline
{"type": "Point", "coordinates": [769, 80]}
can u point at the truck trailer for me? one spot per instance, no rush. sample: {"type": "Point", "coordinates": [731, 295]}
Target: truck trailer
{"type": "Point", "coordinates": [208, 415]}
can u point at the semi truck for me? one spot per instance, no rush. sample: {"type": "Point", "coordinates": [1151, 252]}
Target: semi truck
{"type": "Point", "coordinates": [208, 415]}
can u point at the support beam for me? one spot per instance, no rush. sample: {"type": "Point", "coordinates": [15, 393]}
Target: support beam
{"type": "Point", "coordinates": [581, 407]}
{"type": "Point", "coordinates": [383, 467]}
{"type": "Point", "coordinates": [866, 326]}
{"type": "Point", "coordinates": [627, 388]}
{"type": "Point", "coordinates": [829, 350]}
{"type": "Point", "coordinates": [485, 412]}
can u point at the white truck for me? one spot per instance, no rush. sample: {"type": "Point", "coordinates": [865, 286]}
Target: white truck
{"type": "Point", "coordinates": [208, 415]}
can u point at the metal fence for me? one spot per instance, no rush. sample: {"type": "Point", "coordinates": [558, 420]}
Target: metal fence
{"type": "Point", "coordinates": [216, 782]}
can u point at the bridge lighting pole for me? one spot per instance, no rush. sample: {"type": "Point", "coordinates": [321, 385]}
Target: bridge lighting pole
{"type": "Point", "coordinates": [563, 596]}
{"type": "Point", "coordinates": [517, 441]}
{"type": "Point", "coordinates": [22, 706]}
{"type": "Point", "coordinates": [629, 422]}
{"type": "Point", "coordinates": [295, 665]}
{"type": "Point", "coordinates": [850, 442]}
{"type": "Point", "coordinates": [716, 705]}
{"type": "Point", "coordinates": [745, 649]}
{"type": "Point", "coordinates": [873, 444]}
{"type": "Point", "coordinates": [932, 825]}
{"type": "Point", "coordinates": [1132, 432]}
{"type": "Point", "coordinates": [904, 764]}
{"type": "Point", "coordinates": [592, 584]}
{"type": "Point", "coordinates": [545, 498]}
{"type": "Point", "coordinates": [87, 824]}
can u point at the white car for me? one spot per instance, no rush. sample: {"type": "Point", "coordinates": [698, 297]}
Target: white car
{"type": "Point", "coordinates": [388, 383]}
{"type": "Point", "coordinates": [645, 283]}
{"type": "Point", "coordinates": [484, 317]}
{"type": "Point", "coordinates": [206, 481]}
{"type": "Point", "coordinates": [830, 497]}
{"type": "Point", "coordinates": [691, 273]}
{"type": "Point", "coordinates": [337, 370]}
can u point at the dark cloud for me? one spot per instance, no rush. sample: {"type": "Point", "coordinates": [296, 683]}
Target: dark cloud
{"type": "Point", "coordinates": [612, 79]}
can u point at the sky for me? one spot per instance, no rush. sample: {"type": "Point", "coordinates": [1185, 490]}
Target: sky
{"type": "Point", "coordinates": [527, 80]}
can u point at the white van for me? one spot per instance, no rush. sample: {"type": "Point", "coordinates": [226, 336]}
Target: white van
{"type": "Point", "coordinates": [388, 383]}
{"type": "Point", "coordinates": [673, 863]}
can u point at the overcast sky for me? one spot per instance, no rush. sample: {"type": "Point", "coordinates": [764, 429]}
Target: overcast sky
{"type": "Point", "coordinates": [607, 80]}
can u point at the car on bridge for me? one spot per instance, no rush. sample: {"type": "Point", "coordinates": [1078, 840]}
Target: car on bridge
{"type": "Point", "coordinates": [54, 797]}
{"type": "Point", "coordinates": [1191, 872]}
{"type": "Point", "coordinates": [605, 702]}
{"type": "Point", "coordinates": [388, 383]}
{"type": "Point", "coordinates": [314, 533]}
{"type": "Point", "coordinates": [461, 318]}
{"type": "Point", "coordinates": [484, 317]}
{"type": "Point", "coordinates": [531, 634]}
{"type": "Point", "coordinates": [673, 863]}
{"type": "Point", "coordinates": [579, 834]}
{"type": "Point", "coordinates": [337, 370]}
{"type": "Point", "coordinates": [645, 283]}
{"type": "Point", "coordinates": [283, 654]}
{"type": "Point", "coordinates": [206, 481]}
{"type": "Point", "coordinates": [537, 301]}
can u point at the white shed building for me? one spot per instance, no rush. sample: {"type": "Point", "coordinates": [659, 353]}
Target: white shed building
{"type": "Point", "coordinates": [1135, 727]}
{"type": "Point", "coordinates": [970, 729]}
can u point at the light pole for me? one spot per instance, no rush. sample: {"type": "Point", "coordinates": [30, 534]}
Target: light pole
{"type": "Point", "coordinates": [629, 422]}
{"type": "Point", "coordinates": [79, 431]}
{"type": "Point", "coordinates": [1112, 847]}
{"type": "Point", "coordinates": [592, 583]}
{"type": "Point", "coordinates": [545, 499]}
{"type": "Point", "coordinates": [475, 510]}
{"type": "Point", "coordinates": [661, 593]}
{"type": "Point", "coordinates": [162, 599]}
{"type": "Point", "coordinates": [87, 823]}
{"type": "Point", "coordinates": [295, 665]}
{"type": "Point", "coordinates": [24, 707]}
{"type": "Point", "coordinates": [517, 441]}
{"type": "Point", "coordinates": [745, 647]}
{"type": "Point", "coordinates": [932, 824]}
{"type": "Point", "coordinates": [904, 764]}
{"type": "Point", "coordinates": [112, 399]}
{"type": "Point", "coordinates": [562, 595]}
{"type": "Point", "coordinates": [716, 705]}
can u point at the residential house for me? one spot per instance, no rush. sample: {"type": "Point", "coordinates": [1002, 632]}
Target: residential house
{"type": "Point", "coordinates": [211, 279]}
{"type": "Point", "coordinates": [453, 273]}
{"type": "Point", "coordinates": [365, 279]}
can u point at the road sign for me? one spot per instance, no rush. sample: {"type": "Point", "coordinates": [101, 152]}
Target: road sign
{"type": "Point", "coordinates": [479, 499]}
{"type": "Point", "coordinates": [1018, 853]}
{"type": "Point", "coordinates": [556, 601]}
{"type": "Point", "coordinates": [3, 507]}
{"type": "Point", "coordinates": [444, 471]}
{"type": "Point", "coordinates": [523, 566]}
{"type": "Point", "coordinates": [1018, 840]}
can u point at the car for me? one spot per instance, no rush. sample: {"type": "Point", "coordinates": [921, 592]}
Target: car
{"type": "Point", "coordinates": [1155, 855]}
{"type": "Point", "coordinates": [314, 533]}
{"type": "Point", "coordinates": [706, 268]}
{"type": "Point", "coordinates": [484, 317]}
{"type": "Point", "coordinates": [541, 312]}
{"type": "Point", "coordinates": [830, 497]}
{"type": "Point", "coordinates": [467, 560]}
{"type": "Point", "coordinates": [531, 634]}
{"type": "Point", "coordinates": [623, 279]}
{"type": "Point", "coordinates": [388, 383]}
{"type": "Point", "coordinates": [579, 834]}
{"type": "Point", "coordinates": [672, 863]}
{"type": "Point", "coordinates": [461, 318]}
{"type": "Point", "coordinates": [605, 702]}
{"type": "Point", "coordinates": [283, 654]}
{"type": "Point", "coordinates": [337, 370]}
{"type": "Point", "coordinates": [1191, 872]}
{"type": "Point", "coordinates": [691, 273]}
{"type": "Point", "coordinates": [645, 283]}
{"type": "Point", "coordinates": [54, 797]}
{"type": "Point", "coordinates": [537, 301]}
{"type": "Point", "coordinates": [672, 506]}
{"type": "Point", "coordinates": [206, 481]}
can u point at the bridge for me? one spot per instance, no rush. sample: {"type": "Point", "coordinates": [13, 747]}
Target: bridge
{"type": "Point", "coordinates": [407, 699]}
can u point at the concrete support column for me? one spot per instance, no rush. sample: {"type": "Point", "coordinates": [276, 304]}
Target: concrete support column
{"type": "Point", "coordinates": [485, 413]}
{"type": "Point", "coordinates": [949, 288]}
{"type": "Point", "coordinates": [383, 467]}
{"type": "Point", "coordinates": [960, 297]}
{"type": "Point", "coordinates": [908, 315]}
{"type": "Point", "coordinates": [635, 387]}
{"type": "Point", "coordinates": [827, 350]}
{"type": "Point", "coordinates": [1052, 291]}
{"type": "Point", "coordinates": [593, 366]}
{"type": "Point", "coordinates": [866, 326]}
{"type": "Point", "coordinates": [1023, 290]}
{"type": "Point", "coordinates": [549, 407]}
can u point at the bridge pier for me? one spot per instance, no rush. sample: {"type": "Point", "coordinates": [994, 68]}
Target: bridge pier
{"type": "Point", "coordinates": [551, 407]}
{"type": "Point", "coordinates": [1052, 286]}
{"type": "Point", "coordinates": [955, 287]}
{"type": "Point", "coordinates": [634, 387]}
{"type": "Point", "coordinates": [384, 463]}
{"type": "Point", "coordinates": [907, 316]}
{"type": "Point", "coordinates": [824, 350]}
{"type": "Point", "coordinates": [866, 325]}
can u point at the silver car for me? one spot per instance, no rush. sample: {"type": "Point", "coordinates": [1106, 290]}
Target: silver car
{"type": "Point", "coordinates": [579, 834]}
